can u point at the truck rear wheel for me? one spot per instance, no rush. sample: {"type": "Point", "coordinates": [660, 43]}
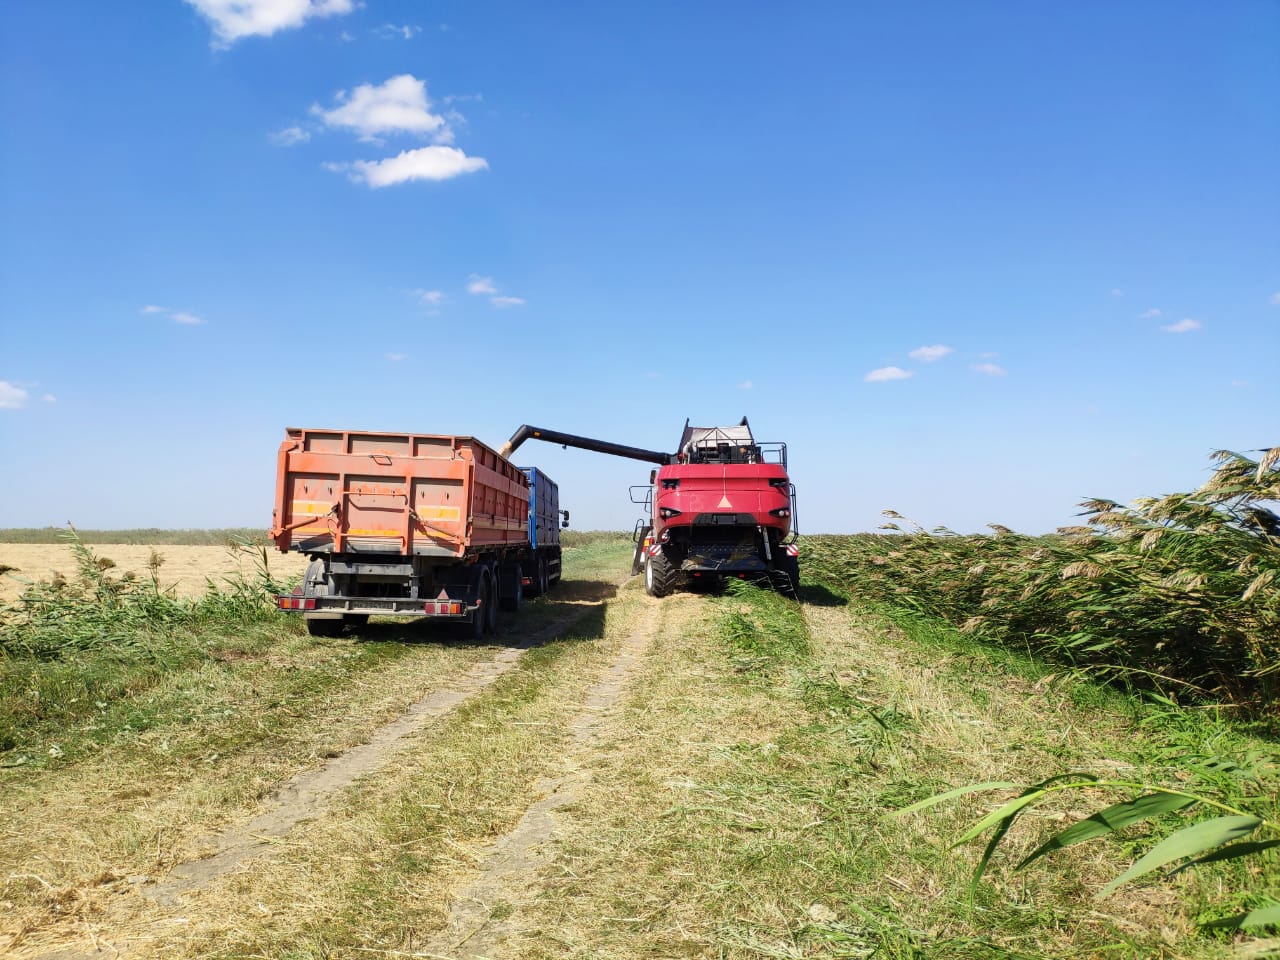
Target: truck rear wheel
{"type": "Point", "coordinates": [482, 617]}
{"type": "Point", "coordinates": [511, 581]}
{"type": "Point", "coordinates": [659, 575]}
{"type": "Point", "coordinates": [326, 627]}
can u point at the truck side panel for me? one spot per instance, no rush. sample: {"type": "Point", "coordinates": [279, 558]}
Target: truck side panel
{"type": "Point", "coordinates": [361, 492]}
{"type": "Point", "coordinates": [544, 509]}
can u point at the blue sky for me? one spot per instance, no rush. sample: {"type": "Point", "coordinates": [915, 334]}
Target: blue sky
{"type": "Point", "coordinates": [974, 262]}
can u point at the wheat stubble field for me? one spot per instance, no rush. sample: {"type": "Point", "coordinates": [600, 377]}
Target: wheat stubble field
{"type": "Point", "coordinates": [863, 773]}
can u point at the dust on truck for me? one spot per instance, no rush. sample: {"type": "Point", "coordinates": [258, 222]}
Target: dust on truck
{"type": "Point", "coordinates": [411, 525]}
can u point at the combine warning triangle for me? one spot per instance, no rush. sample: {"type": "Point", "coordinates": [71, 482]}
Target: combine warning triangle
{"type": "Point", "coordinates": [724, 503]}
{"type": "Point", "coordinates": [442, 595]}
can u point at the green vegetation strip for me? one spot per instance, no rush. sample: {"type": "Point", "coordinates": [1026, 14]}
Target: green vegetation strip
{"type": "Point", "coordinates": [1178, 594]}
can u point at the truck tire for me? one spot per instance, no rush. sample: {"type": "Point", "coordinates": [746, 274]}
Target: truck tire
{"type": "Point", "coordinates": [328, 627]}
{"type": "Point", "coordinates": [538, 581]}
{"type": "Point", "coordinates": [659, 575]}
{"type": "Point", "coordinates": [511, 594]}
{"type": "Point", "coordinates": [480, 622]}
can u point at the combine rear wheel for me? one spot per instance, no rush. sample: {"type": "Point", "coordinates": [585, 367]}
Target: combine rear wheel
{"type": "Point", "coordinates": [659, 575]}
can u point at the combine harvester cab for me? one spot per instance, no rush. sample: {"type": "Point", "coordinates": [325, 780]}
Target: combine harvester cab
{"type": "Point", "coordinates": [411, 525]}
{"type": "Point", "coordinates": [721, 506]}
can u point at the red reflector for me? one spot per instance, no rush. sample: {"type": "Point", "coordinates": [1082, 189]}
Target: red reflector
{"type": "Point", "coordinates": [525, 581]}
{"type": "Point", "coordinates": [309, 604]}
{"type": "Point", "coordinates": [429, 607]}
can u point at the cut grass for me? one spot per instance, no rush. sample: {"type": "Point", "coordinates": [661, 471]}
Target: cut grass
{"type": "Point", "coordinates": [744, 806]}
{"type": "Point", "coordinates": [184, 748]}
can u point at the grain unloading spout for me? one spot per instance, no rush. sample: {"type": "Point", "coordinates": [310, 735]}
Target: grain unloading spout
{"type": "Point", "coordinates": [527, 432]}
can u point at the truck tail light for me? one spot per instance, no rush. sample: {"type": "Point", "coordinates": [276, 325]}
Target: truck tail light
{"type": "Point", "coordinates": [666, 513]}
{"type": "Point", "coordinates": [296, 603]}
{"type": "Point", "coordinates": [443, 608]}
{"type": "Point", "coordinates": [782, 512]}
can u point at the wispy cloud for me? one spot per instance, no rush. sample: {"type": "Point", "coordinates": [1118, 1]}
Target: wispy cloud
{"type": "Point", "coordinates": [1150, 314]}
{"type": "Point", "coordinates": [1117, 292]}
{"type": "Point", "coordinates": [507, 301]}
{"type": "Point", "coordinates": [1239, 383]}
{"type": "Point", "coordinates": [233, 19]}
{"type": "Point", "coordinates": [48, 398]}
{"type": "Point", "coordinates": [480, 285]}
{"type": "Point", "coordinates": [745, 385]}
{"type": "Point", "coordinates": [884, 374]}
{"type": "Point", "coordinates": [989, 369]}
{"type": "Point", "coordinates": [12, 396]}
{"type": "Point", "coordinates": [397, 357]}
{"type": "Point", "coordinates": [406, 31]}
{"type": "Point", "coordinates": [177, 316]}
{"type": "Point", "coordinates": [400, 105]}
{"type": "Point", "coordinates": [432, 298]}
{"type": "Point", "coordinates": [425, 163]}
{"type": "Point", "coordinates": [289, 137]}
{"type": "Point", "coordinates": [1275, 299]}
{"type": "Point", "coordinates": [930, 354]}
{"type": "Point", "coordinates": [1182, 326]}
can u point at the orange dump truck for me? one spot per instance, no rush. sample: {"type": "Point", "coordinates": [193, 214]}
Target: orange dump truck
{"type": "Point", "coordinates": [411, 525]}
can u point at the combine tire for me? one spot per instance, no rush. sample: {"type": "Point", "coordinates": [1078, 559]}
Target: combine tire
{"type": "Point", "coordinates": [786, 577]}
{"type": "Point", "coordinates": [659, 575]}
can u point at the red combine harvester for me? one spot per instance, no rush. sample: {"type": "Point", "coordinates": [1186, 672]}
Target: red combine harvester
{"type": "Point", "coordinates": [721, 506]}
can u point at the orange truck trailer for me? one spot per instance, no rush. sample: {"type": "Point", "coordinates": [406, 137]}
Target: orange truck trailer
{"type": "Point", "coordinates": [411, 525]}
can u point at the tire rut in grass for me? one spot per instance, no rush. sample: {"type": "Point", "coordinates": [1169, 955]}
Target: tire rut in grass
{"type": "Point", "coordinates": [509, 870]}
{"type": "Point", "coordinates": [304, 797]}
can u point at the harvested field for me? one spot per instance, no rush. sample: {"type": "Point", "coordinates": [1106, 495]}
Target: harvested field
{"type": "Point", "coordinates": [185, 569]}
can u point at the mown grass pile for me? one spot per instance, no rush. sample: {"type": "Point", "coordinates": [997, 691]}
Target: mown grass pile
{"type": "Point", "coordinates": [1180, 593]}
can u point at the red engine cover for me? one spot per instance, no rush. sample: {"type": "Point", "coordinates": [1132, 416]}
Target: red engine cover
{"type": "Point", "coordinates": [738, 488]}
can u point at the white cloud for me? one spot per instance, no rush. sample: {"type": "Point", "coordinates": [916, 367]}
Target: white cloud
{"type": "Point", "coordinates": [1150, 314]}
{"type": "Point", "coordinates": [479, 284]}
{"type": "Point", "coordinates": [432, 298]}
{"type": "Point", "coordinates": [883, 374]}
{"type": "Point", "coordinates": [990, 355]}
{"type": "Point", "coordinates": [398, 106]}
{"type": "Point", "coordinates": [745, 385]}
{"type": "Point", "coordinates": [397, 357]}
{"type": "Point", "coordinates": [989, 369]}
{"type": "Point", "coordinates": [1239, 383]}
{"type": "Point", "coordinates": [48, 398]}
{"type": "Point", "coordinates": [1182, 326]}
{"type": "Point", "coordinates": [507, 301]}
{"type": "Point", "coordinates": [177, 316]}
{"type": "Point", "coordinates": [930, 354]}
{"type": "Point", "coordinates": [289, 136]}
{"type": "Point", "coordinates": [12, 396]}
{"type": "Point", "coordinates": [233, 19]}
{"type": "Point", "coordinates": [426, 163]}
{"type": "Point", "coordinates": [407, 31]}
{"type": "Point", "coordinates": [1117, 292]}
{"type": "Point", "coordinates": [1275, 299]}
